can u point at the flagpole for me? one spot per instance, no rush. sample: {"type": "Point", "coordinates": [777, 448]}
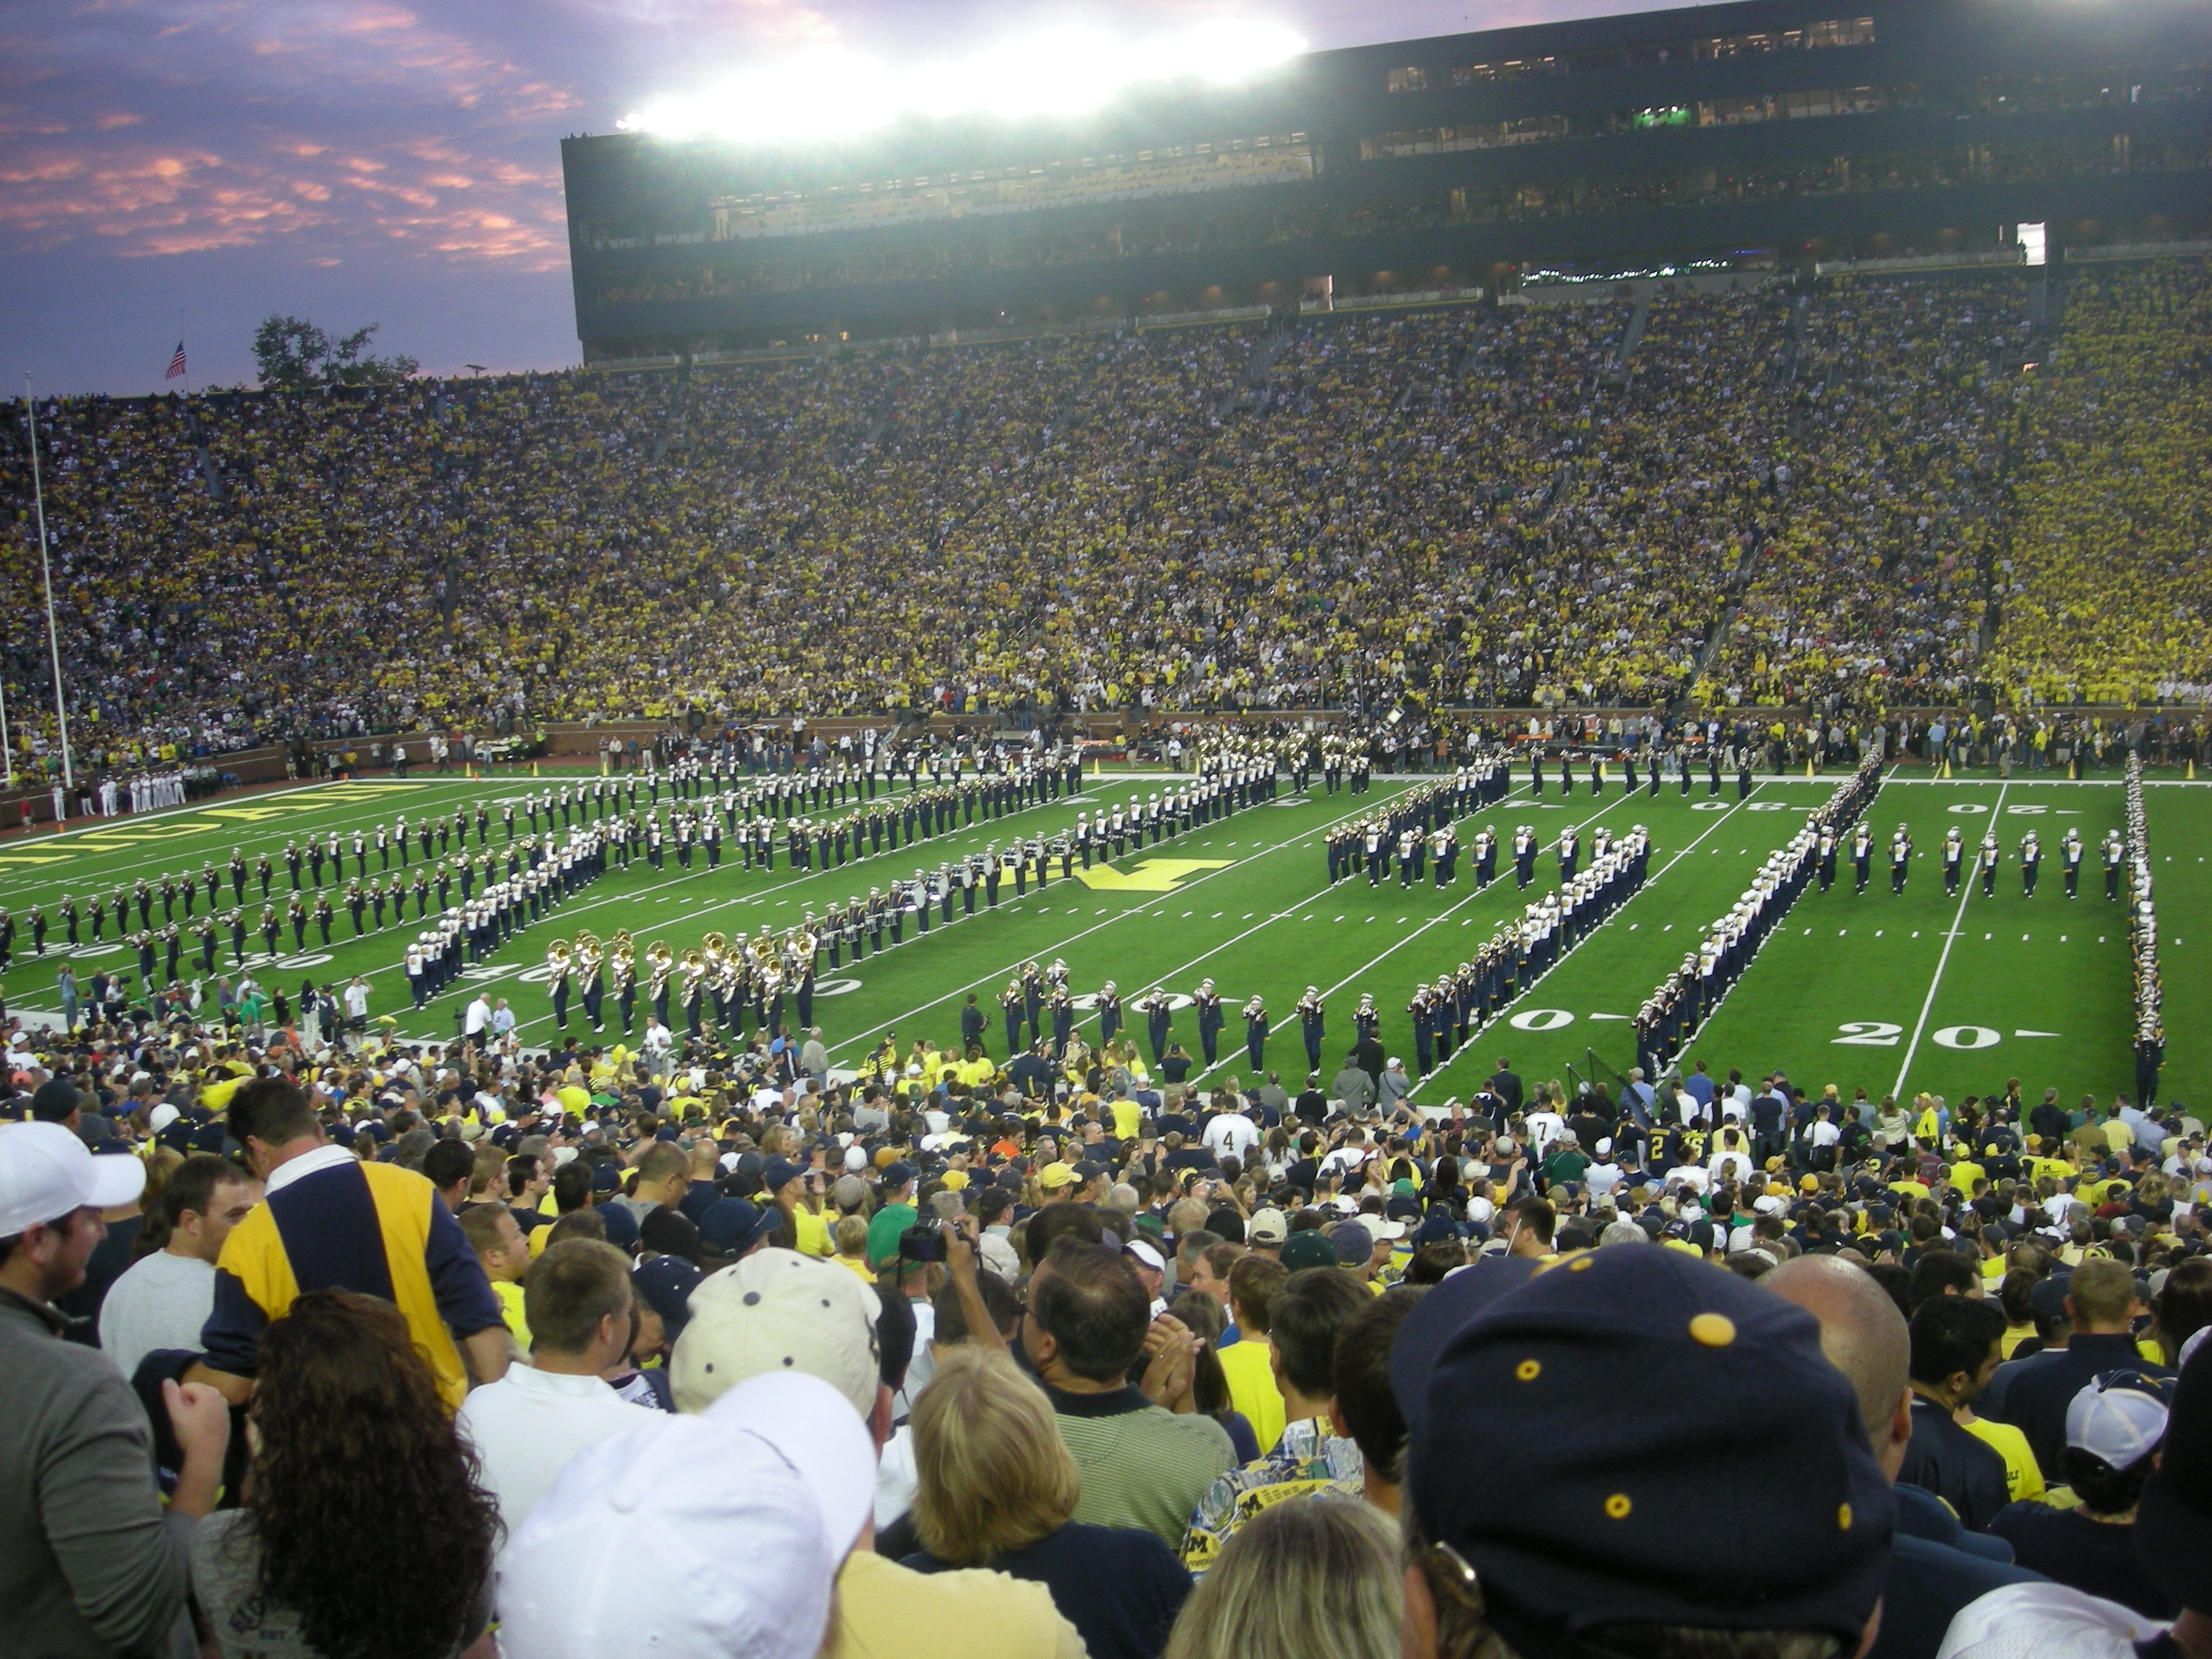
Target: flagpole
{"type": "Point", "coordinates": [46, 565]}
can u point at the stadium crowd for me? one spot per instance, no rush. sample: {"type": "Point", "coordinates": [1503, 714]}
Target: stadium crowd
{"type": "Point", "coordinates": [2105, 594]}
{"type": "Point", "coordinates": [1484, 506]}
{"type": "Point", "coordinates": [325, 1346]}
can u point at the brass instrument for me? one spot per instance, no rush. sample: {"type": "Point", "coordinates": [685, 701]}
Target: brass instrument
{"type": "Point", "coordinates": [558, 956]}
{"type": "Point", "coordinates": [589, 955]}
{"type": "Point", "coordinates": [622, 958]}
{"type": "Point", "coordinates": [714, 947]}
{"type": "Point", "coordinates": [662, 962]}
{"type": "Point", "coordinates": [695, 970]}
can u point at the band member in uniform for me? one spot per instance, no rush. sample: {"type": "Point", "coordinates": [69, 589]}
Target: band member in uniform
{"type": "Point", "coordinates": [2114, 853]}
{"type": "Point", "coordinates": [1159, 1020]}
{"type": "Point", "coordinates": [2030, 863]}
{"type": "Point", "coordinates": [1109, 1013]}
{"type": "Point", "coordinates": [1861, 855]}
{"type": "Point", "coordinates": [2070, 860]}
{"type": "Point", "coordinates": [1524, 856]}
{"type": "Point", "coordinates": [1986, 860]}
{"type": "Point", "coordinates": [1900, 858]}
{"type": "Point", "coordinates": [1210, 1020]}
{"type": "Point", "coordinates": [1312, 1025]}
{"type": "Point", "coordinates": [1954, 855]}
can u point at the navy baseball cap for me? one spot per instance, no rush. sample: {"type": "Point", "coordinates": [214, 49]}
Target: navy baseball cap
{"type": "Point", "coordinates": [895, 1175]}
{"type": "Point", "coordinates": [1579, 1502]}
{"type": "Point", "coordinates": [731, 1226]}
{"type": "Point", "coordinates": [777, 1172]}
{"type": "Point", "coordinates": [664, 1284]}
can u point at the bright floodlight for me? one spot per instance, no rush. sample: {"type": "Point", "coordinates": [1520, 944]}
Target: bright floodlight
{"type": "Point", "coordinates": [1070, 70]}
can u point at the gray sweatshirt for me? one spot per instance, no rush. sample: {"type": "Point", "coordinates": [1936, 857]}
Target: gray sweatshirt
{"type": "Point", "coordinates": [91, 1564]}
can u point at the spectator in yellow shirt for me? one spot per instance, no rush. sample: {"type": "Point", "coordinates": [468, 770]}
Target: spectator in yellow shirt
{"type": "Point", "coordinates": [496, 1237]}
{"type": "Point", "coordinates": [798, 1194]}
{"type": "Point", "coordinates": [1247, 1362]}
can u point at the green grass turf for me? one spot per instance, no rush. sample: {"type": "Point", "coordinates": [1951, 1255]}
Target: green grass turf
{"type": "Point", "coordinates": [2014, 965]}
{"type": "Point", "coordinates": [1266, 921]}
{"type": "Point", "coordinates": [1704, 853]}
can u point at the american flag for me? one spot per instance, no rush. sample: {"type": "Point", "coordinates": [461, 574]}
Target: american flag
{"type": "Point", "coordinates": [176, 363]}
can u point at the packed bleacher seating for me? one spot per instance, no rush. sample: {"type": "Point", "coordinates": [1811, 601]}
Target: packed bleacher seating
{"type": "Point", "coordinates": [1765, 498]}
{"type": "Point", "coordinates": [2108, 595]}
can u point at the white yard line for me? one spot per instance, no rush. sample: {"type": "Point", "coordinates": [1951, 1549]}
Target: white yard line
{"type": "Point", "coordinates": [1966, 896]}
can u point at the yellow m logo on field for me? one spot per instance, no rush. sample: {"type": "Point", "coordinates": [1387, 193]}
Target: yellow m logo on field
{"type": "Point", "coordinates": [1152, 875]}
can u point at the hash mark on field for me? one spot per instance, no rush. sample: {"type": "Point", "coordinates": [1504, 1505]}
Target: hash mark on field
{"type": "Point", "coordinates": [1339, 918]}
{"type": "Point", "coordinates": [1190, 913]}
{"type": "Point", "coordinates": [1877, 934]}
{"type": "Point", "coordinates": [1840, 931]}
{"type": "Point", "coordinates": [2062, 938]}
{"type": "Point", "coordinates": [1808, 932]}
{"type": "Point", "coordinates": [1216, 916]}
{"type": "Point", "coordinates": [1916, 933]}
{"type": "Point", "coordinates": [1633, 926]}
{"type": "Point", "coordinates": [1668, 928]}
{"type": "Point", "coordinates": [2100, 939]}
{"type": "Point", "coordinates": [2023, 939]}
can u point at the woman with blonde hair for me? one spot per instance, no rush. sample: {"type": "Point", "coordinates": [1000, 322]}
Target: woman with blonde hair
{"type": "Point", "coordinates": [996, 1487]}
{"type": "Point", "coordinates": [1309, 1578]}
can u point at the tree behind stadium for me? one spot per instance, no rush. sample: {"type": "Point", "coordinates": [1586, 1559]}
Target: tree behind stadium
{"type": "Point", "coordinates": [293, 355]}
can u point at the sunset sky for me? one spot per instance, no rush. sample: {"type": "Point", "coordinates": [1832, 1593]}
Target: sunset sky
{"type": "Point", "coordinates": [187, 167]}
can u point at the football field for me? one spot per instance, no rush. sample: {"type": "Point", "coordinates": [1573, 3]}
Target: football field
{"type": "Point", "coordinates": [1889, 994]}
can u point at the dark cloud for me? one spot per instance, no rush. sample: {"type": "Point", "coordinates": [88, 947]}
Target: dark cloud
{"type": "Point", "coordinates": [373, 160]}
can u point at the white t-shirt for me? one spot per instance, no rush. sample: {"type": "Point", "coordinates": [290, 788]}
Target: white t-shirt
{"type": "Point", "coordinates": [528, 1425]}
{"type": "Point", "coordinates": [356, 1001]}
{"type": "Point", "coordinates": [161, 1302]}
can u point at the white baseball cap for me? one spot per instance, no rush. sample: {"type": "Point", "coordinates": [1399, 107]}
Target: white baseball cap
{"type": "Point", "coordinates": [776, 1311]}
{"type": "Point", "coordinates": [47, 1173]}
{"type": "Point", "coordinates": [2117, 1418]}
{"type": "Point", "coordinates": [699, 1537]}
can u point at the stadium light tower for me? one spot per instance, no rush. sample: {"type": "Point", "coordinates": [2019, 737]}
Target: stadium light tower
{"type": "Point", "coordinates": [1055, 73]}
{"type": "Point", "coordinates": [46, 565]}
